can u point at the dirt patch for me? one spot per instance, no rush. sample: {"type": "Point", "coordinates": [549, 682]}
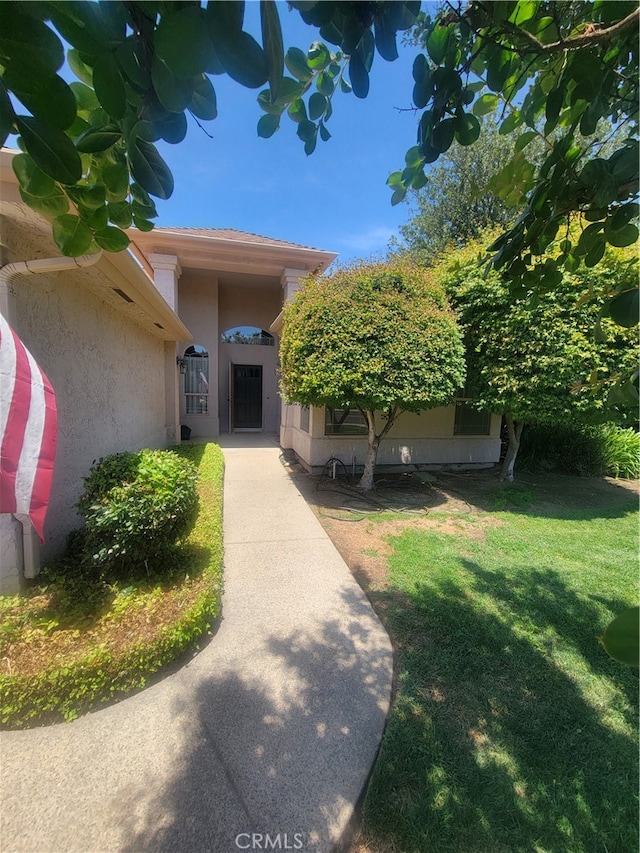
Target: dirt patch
{"type": "Point", "coordinates": [463, 503]}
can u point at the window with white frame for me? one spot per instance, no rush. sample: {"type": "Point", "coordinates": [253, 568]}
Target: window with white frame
{"type": "Point", "coordinates": [304, 418]}
{"type": "Point", "coordinates": [196, 380]}
{"type": "Point", "coordinates": [251, 335]}
{"type": "Point", "coordinates": [344, 422]}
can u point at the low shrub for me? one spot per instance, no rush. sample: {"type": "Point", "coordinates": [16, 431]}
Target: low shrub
{"type": "Point", "coordinates": [136, 506]}
{"type": "Point", "coordinates": [76, 641]}
{"type": "Point", "coordinates": [589, 451]}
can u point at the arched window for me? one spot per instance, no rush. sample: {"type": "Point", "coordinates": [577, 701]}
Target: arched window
{"type": "Point", "coordinates": [196, 380]}
{"type": "Point", "coordinates": [247, 335]}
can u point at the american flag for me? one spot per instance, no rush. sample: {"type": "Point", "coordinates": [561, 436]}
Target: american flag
{"type": "Point", "coordinates": [28, 430]}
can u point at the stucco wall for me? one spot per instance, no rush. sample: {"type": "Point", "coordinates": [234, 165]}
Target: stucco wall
{"type": "Point", "coordinates": [248, 304]}
{"type": "Point", "coordinates": [107, 372]}
{"type": "Point", "coordinates": [420, 440]}
{"type": "Point", "coordinates": [198, 309]}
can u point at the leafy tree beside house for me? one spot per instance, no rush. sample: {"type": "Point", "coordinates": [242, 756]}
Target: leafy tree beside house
{"type": "Point", "coordinates": [551, 359]}
{"type": "Point", "coordinates": [377, 337]}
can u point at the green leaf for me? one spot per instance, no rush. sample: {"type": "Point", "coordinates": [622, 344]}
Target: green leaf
{"type": "Point", "coordinates": [554, 103]}
{"type": "Point", "coordinates": [306, 131]}
{"type": "Point", "coordinates": [55, 204]}
{"type": "Point", "coordinates": [345, 86]}
{"type": "Point", "coordinates": [82, 71]}
{"type": "Point", "coordinates": [324, 133]}
{"type": "Point", "coordinates": [29, 41]}
{"type": "Point", "coordinates": [272, 43]}
{"type": "Point", "coordinates": [173, 128]}
{"type": "Point", "coordinates": [174, 93]}
{"type": "Point", "coordinates": [242, 58]}
{"type": "Point", "coordinates": [624, 308]}
{"type": "Point", "coordinates": [467, 129]}
{"type": "Point", "coordinates": [109, 85]}
{"type": "Point", "coordinates": [509, 124]}
{"type": "Point", "coordinates": [595, 253]}
{"type": "Point", "coordinates": [130, 56]}
{"type": "Point", "coordinates": [297, 111]}
{"type": "Point", "coordinates": [90, 198]}
{"type": "Point", "coordinates": [51, 149]}
{"type": "Point", "coordinates": [620, 638]}
{"type": "Point", "coordinates": [317, 105]}
{"type": "Point", "coordinates": [325, 84]}
{"type": "Point", "coordinates": [203, 104]}
{"type": "Point", "coordinates": [296, 62]}
{"type": "Point", "coordinates": [395, 180]}
{"type": "Point", "coordinates": [72, 236]}
{"type": "Point", "coordinates": [398, 195]}
{"type": "Point", "coordinates": [111, 239]}
{"type": "Point", "coordinates": [267, 125]}
{"type": "Point", "coordinates": [437, 42]}
{"type": "Point", "coordinates": [225, 16]}
{"type": "Point", "coordinates": [524, 139]}
{"type": "Point", "coordinates": [116, 181]}
{"type": "Point", "coordinates": [318, 56]}
{"type": "Point", "coordinates": [98, 139]}
{"type": "Point", "coordinates": [150, 170]}
{"type": "Point", "coordinates": [359, 76]}
{"type": "Point", "coordinates": [121, 214]}
{"type": "Point", "coordinates": [625, 236]}
{"type": "Point", "coordinates": [182, 41]}
{"type": "Point", "coordinates": [142, 224]}
{"type": "Point", "coordinates": [524, 11]}
{"type": "Point", "coordinates": [48, 98]}
{"type": "Point", "coordinates": [32, 179]}
{"type": "Point", "coordinates": [86, 99]}
{"type": "Point", "coordinates": [443, 133]}
{"type": "Point", "coordinates": [485, 104]}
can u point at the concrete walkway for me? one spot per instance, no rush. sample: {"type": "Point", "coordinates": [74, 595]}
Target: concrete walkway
{"type": "Point", "coordinates": [271, 729]}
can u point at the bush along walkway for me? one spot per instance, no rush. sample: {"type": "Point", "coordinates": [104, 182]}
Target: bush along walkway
{"type": "Point", "coordinates": [270, 730]}
{"type": "Point", "coordinates": [81, 638]}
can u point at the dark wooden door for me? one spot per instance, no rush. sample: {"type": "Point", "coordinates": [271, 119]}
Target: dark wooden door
{"type": "Point", "coordinates": [247, 396]}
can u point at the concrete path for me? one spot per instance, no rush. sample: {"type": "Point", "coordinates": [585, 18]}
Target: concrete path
{"type": "Point", "coordinates": [270, 730]}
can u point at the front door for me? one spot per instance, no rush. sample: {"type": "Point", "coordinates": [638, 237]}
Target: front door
{"type": "Point", "coordinates": [247, 396]}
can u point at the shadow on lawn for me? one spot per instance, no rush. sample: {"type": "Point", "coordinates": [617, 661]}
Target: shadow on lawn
{"type": "Point", "coordinates": [557, 496]}
{"type": "Point", "coordinates": [491, 747]}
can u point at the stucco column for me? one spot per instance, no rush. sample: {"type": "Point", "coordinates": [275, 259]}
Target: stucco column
{"type": "Point", "coordinates": [166, 274]}
{"type": "Point", "coordinates": [290, 281]}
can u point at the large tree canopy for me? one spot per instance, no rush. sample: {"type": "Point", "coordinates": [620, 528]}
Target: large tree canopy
{"type": "Point", "coordinates": [457, 203]}
{"type": "Point", "coordinates": [553, 68]}
{"type": "Point", "coordinates": [377, 337]}
{"type": "Point", "coordinates": [537, 360]}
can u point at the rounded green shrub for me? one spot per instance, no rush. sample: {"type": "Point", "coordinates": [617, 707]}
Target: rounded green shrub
{"type": "Point", "coordinates": [136, 506]}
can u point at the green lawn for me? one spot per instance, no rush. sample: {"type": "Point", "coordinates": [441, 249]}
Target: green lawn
{"type": "Point", "coordinates": [511, 729]}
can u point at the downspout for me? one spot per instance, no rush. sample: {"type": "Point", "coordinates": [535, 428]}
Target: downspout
{"type": "Point", "coordinates": [25, 555]}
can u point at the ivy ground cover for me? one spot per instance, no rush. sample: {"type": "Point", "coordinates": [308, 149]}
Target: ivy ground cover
{"type": "Point", "coordinates": [75, 641]}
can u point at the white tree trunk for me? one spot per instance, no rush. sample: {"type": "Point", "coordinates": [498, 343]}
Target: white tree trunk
{"type": "Point", "coordinates": [514, 431]}
{"type": "Point", "coordinates": [366, 481]}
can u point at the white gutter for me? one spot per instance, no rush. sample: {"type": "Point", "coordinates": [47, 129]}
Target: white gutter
{"type": "Point", "coordinates": [33, 267]}
{"type": "Point", "coordinates": [22, 559]}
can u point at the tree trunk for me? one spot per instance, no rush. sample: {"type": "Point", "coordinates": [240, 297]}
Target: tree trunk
{"type": "Point", "coordinates": [366, 481]}
{"type": "Point", "coordinates": [514, 431]}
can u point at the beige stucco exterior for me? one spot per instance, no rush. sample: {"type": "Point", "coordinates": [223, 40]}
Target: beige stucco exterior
{"type": "Point", "coordinates": [415, 441]}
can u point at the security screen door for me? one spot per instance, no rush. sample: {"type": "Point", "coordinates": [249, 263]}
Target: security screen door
{"type": "Point", "coordinates": [247, 396]}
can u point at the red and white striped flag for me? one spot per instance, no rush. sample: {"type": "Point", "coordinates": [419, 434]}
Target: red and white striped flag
{"type": "Point", "coordinates": [28, 431]}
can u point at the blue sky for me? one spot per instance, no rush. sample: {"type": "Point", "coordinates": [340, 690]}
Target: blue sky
{"type": "Point", "coordinates": [336, 199]}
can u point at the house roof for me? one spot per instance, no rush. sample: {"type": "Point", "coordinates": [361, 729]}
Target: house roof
{"type": "Point", "coordinates": [226, 250]}
{"type": "Point", "coordinates": [233, 234]}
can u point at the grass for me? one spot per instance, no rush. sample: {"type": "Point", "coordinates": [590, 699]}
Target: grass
{"type": "Point", "coordinates": [511, 729]}
{"type": "Point", "coordinates": [75, 641]}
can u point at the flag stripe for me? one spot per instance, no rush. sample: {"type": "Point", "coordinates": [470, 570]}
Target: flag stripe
{"type": "Point", "coordinates": [28, 427]}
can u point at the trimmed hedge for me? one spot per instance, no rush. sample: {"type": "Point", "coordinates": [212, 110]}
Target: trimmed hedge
{"type": "Point", "coordinates": [135, 506]}
{"type": "Point", "coordinates": [69, 688]}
